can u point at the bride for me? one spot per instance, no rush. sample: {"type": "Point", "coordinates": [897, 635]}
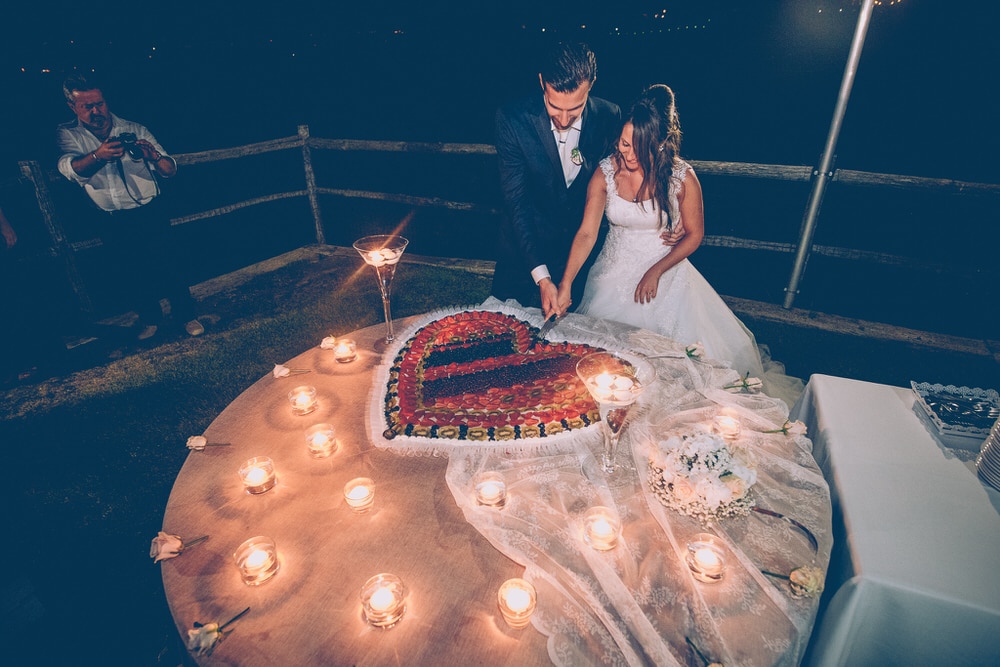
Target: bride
{"type": "Point", "coordinates": [647, 190]}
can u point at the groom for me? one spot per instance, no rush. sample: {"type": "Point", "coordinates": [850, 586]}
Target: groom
{"type": "Point", "coordinates": [548, 146]}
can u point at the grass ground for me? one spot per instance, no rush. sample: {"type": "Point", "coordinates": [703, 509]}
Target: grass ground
{"type": "Point", "coordinates": [91, 456]}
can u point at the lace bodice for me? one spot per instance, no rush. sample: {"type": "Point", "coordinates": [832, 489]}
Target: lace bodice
{"type": "Point", "coordinates": [626, 213]}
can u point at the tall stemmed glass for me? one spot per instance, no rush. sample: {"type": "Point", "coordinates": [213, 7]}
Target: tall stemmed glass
{"type": "Point", "coordinates": [615, 381]}
{"type": "Point", "coordinates": [383, 252]}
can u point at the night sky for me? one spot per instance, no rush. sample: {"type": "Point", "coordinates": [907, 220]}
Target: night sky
{"type": "Point", "coordinates": [756, 81]}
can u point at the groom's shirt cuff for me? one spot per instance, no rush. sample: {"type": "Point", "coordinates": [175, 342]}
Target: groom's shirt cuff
{"type": "Point", "coordinates": [540, 273]}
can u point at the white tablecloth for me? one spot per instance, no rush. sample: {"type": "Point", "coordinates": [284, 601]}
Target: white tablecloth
{"type": "Point", "coordinates": [917, 537]}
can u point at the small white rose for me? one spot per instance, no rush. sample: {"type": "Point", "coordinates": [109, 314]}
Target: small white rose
{"type": "Point", "coordinates": [197, 443]}
{"type": "Point", "coordinates": [202, 638]}
{"type": "Point", "coordinates": [281, 371]}
{"type": "Point", "coordinates": [695, 350]}
{"type": "Point", "coordinates": [806, 581]}
{"type": "Point", "coordinates": [329, 343]}
{"type": "Point", "coordinates": [795, 428]}
{"type": "Point", "coordinates": [165, 546]}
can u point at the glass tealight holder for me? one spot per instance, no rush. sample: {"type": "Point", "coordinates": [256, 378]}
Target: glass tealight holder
{"type": "Point", "coordinates": [383, 600]}
{"type": "Point", "coordinates": [601, 527]}
{"type": "Point", "coordinates": [517, 599]}
{"type": "Point", "coordinates": [360, 494]}
{"type": "Point", "coordinates": [706, 558]}
{"type": "Point", "coordinates": [303, 399]}
{"type": "Point", "coordinates": [321, 440]}
{"type": "Point", "coordinates": [257, 475]}
{"type": "Point", "coordinates": [727, 425]}
{"type": "Point", "coordinates": [257, 560]}
{"type": "Point", "coordinates": [491, 490]}
{"type": "Point", "coordinates": [345, 351]}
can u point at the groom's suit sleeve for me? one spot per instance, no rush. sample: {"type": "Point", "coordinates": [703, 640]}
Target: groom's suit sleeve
{"type": "Point", "coordinates": [514, 138]}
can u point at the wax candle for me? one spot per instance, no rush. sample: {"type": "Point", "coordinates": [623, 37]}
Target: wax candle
{"type": "Point", "coordinates": [321, 440]}
{"type": "Point", "coordinates": [360, 494]}
{"type": "Point", "coordinates": [600, 528]}
{"type": "Point", "coordinates": [258, 474]}
{"type": "Point", "coordinates": [728, 426]}
{"type": "Point", "coordinates": [383, 600]}
{"type": "Point", "coordinates": [516, 599]}
{"type": "Point", "coordinates": [346, 350]}
{"type": "Point", "coordinates": [303, 399]}
{"type": "Point", "coordinates": [256, 560]}
{"type": "Point", "coordinates": [706, 558]}
{"type": "Point", "coordinates": [613, 387]}
{"type": "Point", "coordinates": [491, 490]}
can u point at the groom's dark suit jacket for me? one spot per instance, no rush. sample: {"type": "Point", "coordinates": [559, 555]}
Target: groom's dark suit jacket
{"type": "Point", "coordinates": [542, 214]}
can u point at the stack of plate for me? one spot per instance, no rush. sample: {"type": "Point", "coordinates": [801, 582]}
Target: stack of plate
{"type": "Point", "coordinates": [988, 463]}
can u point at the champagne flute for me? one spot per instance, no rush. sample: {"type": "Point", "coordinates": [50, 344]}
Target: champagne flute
{"type": "Point", "coordinates": [615, 381]}
{"type": "Point", "coordinates": [382, 252]}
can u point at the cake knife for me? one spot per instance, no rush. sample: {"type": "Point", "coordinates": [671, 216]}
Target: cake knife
{"type": "Point", "coordinates": [546, 328]}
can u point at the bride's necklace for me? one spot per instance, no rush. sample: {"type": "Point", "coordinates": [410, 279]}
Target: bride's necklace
{"type": "Point", "coordinates": [629, 173]}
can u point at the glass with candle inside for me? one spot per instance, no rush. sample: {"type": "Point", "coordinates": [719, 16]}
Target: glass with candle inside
{"type": "Point", "coordinates": [360, 494]}
{"type": "Point", "coordinates": [257, 560]}
{"type": "Point", "coordinates": [321, 440]}
{"type": "Point", "coordinates": [491, 490]}
{"type": "Point", "coordinates": [517, 599]}
{"type": "Point", "coordinates": [302, 399]}
{"type": "Point", "coordinates": [706, 558]}
{"type": "Point", "coordinates": [727, 424]}
{"type": "Point", "coordinates": [345, 351]}
{"type": "Point", "coordinates": [257, 475]}
{"type": "Point", "coordinates": [601, 527]}
{"type": "Point", "coordinates": [383, 600]}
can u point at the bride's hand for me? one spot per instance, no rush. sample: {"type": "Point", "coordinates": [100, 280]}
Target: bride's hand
{"type": "Point", "coordinates": [645, 292]}
{"type": "Point", "coordinates": [565, 299]}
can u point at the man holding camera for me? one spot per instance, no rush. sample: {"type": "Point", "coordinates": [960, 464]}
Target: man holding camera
{"type": "Point", "coordinates": [117, 162]}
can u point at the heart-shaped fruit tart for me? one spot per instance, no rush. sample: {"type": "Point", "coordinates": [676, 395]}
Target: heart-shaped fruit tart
{"type": "Point", "coordinates": [479, 375]}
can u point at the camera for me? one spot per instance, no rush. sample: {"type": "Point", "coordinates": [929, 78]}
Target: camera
{"type": "Point", "coordinates": [127, 140]}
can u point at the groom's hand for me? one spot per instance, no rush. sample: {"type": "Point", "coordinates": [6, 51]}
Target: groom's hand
{"type": "Point", "coordinates": [550, 297]}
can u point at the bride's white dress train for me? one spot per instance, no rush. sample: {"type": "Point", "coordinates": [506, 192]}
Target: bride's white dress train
{"type": "Point", "coordinates": [686, 308]}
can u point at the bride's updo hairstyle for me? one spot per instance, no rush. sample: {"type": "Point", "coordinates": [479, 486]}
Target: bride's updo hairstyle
{"type": "Point", "coordinates": [656, 140]}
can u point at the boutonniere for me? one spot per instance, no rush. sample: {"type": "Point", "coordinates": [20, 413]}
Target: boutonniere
{"type": "Point", "coordinates": [576, 157]}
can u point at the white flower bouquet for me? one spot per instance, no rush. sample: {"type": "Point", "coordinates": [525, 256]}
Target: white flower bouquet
{"type": "Point", "coordinates": [696, 473]}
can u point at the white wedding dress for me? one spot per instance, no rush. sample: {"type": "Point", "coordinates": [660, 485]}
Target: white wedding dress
{"type": "Point", "coordinates": [686, 308]}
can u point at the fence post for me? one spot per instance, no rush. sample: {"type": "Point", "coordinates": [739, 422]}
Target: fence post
{"type": "Point", "coordinates": [33, 171]}
{"type": "Point", "coordinates": [311, 184]}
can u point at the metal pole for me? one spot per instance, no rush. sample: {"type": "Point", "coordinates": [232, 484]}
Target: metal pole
{"type": "Point", "coordinates": [824, 172]}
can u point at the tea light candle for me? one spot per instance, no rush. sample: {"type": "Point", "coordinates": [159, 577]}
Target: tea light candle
{"type": "Point", "coordinates": [613, 387]}
{"type": "Point", "coordinates": [321, 440]}
{"type": "Point", "coordinates": [517, 599]}
{"type": "Point", "coordinates": [728, 426]}
{"type": "Point", "coordinates": [705, 558]}
{"type": "Point", "coordinates": [360, 494]}
{"type": "Point", "coordinates": [345, 351]}
{"type": "Point", "coordinates": [257, 560]}
{"type": "Point", "coordinates": [258, 474]}
{"type": "Point", "coordinates": [491, 490]}
{"type": "Point", "coordinates": [303, 399]}
{"type": "Point", "coordinates": [600, 528]}
{"type": "Point", "coordinates": [383, 600]}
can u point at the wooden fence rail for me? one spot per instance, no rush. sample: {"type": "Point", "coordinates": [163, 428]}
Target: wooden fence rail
{"type": "Point", "coordinates": [62, 247]}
